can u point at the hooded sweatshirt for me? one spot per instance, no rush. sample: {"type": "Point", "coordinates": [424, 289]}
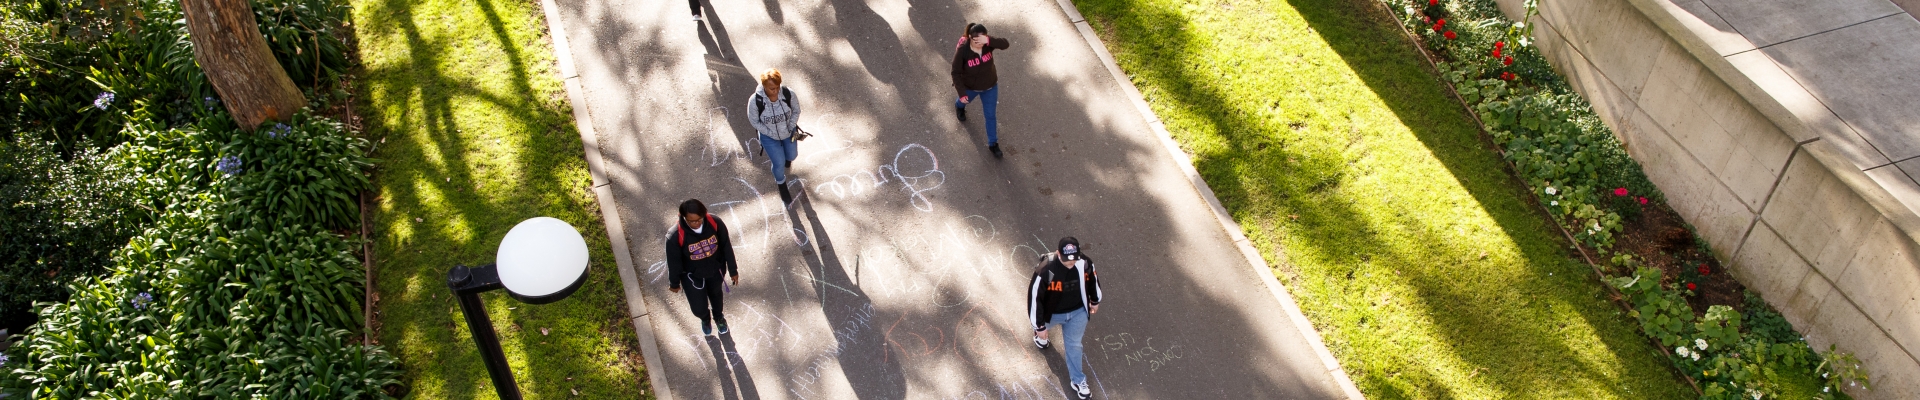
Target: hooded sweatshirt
{"type": "Point", "coordinates": [974, 71]}
{"type": "Point", "coordinates": [704, 254]}
{"type": "Point", "coordinates": [1057, 289]}
{"type": "Point", "coordinates": [774, 119]}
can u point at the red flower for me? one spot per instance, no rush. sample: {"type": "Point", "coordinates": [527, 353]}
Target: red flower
{"type": "Point", "coordinates": [1620, 191]}
{"type": "Point", "coordinates": [1498, 45]}
{"type": "Point", "coordinates": [1440, 23]}
{"type": "Point", "coordinates": [1705, 271]}
{"type": "Point", "coordinates": [1433, 2]}
{"type": "Point", "coordinates": [1643, 200]}
{"type": "Point", "coordinates": [1496, 52]}
{"type": "Point", "coordinates": [1507, 76]}
{"type": "Point", "coordinates": [1690, 286]}
{"type": "Point", "coordinates": [1449, 34]}
{"type": "Point", "coordinates": [1508, 61]}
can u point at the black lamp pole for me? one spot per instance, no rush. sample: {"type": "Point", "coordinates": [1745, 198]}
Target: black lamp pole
{"type": "Point", "coordinates": [467, 284]}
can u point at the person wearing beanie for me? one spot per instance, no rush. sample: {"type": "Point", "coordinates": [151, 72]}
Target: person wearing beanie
{"type": "Point", "coordinates": [974, 77]}
{"type": "Point", "coordinates": [774, 112]}
{"type": "Point", "coordinates": [699, 252]}
{"type": "Point", "coordinates": [1065, 291]}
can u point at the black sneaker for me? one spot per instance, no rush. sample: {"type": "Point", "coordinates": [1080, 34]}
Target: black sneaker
{"type": "Point", "coordinates": [960, 112]}
{"type": "Point", "coordinates": [995, 148]}
{"type": "Point", "coordinates": [706, 329]}
{"type": "Point", "coordinates": [1042, 343]}
{"type": "Point", "coordinates": [723, 331]}
{"type": "Point", "coordinates": [1082, 390]}
{"type": "Point", "coordinates": [786, 196]}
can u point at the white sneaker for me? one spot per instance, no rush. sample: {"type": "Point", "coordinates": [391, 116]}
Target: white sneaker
{"type": "Point", "coordinates": [697, 17]}
{"type": "Point", "coordinates": [1041, 343]}
{"type": "Point", "coordinates": [1082, 389]}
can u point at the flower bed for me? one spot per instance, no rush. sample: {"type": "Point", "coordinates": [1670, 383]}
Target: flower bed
{"type": "Point", "coordinates": [237, 280]}
{"type": "Point", "coordinates": [1723, 338]}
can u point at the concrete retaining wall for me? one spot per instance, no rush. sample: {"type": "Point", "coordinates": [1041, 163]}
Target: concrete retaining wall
{"type": "Point", "coordinates": [1766, 174]}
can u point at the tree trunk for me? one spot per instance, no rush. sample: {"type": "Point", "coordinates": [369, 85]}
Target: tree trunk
{"type": "Point", "coordinates": [228, 46]}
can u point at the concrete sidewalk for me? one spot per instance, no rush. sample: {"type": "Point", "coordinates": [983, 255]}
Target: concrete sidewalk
{"type": "Point", "coordinates": [899, 271]}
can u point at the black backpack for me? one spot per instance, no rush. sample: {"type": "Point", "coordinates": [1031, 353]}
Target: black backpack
{"type": "Point", "coordinates": [760, 102]}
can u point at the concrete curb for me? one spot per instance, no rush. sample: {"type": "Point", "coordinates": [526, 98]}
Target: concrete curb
{"type": "Point", "coordinates": [609, 209]}
{"type": "Point", "coordinates": [1219, 211]}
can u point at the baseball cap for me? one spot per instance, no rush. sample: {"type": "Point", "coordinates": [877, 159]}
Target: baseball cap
{"type": "Point", "coordinates": [1070, 248]}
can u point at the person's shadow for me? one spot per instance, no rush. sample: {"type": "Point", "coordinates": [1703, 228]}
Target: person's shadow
{"type": "Point", "coordinates": [713, 35]}
{"type": "Point", "coordinates": [735, 381]}
{"type": "Point", "coordinates": [861, 346]}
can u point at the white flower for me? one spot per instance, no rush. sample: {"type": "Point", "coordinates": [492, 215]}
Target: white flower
{"type": "Point", "coordinates": [1825, 389]}
{"type": "Point", "coordinates": [1682, 351]}
{"type": "Point", "coordinates": [1824, 374]}
{"type": "Point", "coordinates": [1696, 356]}
{"type": "Point", "coordinates": [1552, 191]}
{"type": "Point", "coordinates": [1701, 343]}
{"type": "Point", "coordinates": [1556, 203]}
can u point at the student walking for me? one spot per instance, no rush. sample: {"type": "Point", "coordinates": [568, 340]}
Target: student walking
{"type": "Point", "coordinates": [695, 4]}
{"type": "Point", "coordinates": [774, 113]}
{"type": "Point", "coordinates": [1065, 291]}
{"type": "Point", "coordinates": [975, 78]}
{"type": "Point", "coordinates": [699, 252]}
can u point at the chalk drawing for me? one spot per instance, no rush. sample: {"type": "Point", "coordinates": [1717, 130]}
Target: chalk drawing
{"type": "Point", "coordinates": [911, 156]}
{"type": "Point", "coordinates": [1137, 350]}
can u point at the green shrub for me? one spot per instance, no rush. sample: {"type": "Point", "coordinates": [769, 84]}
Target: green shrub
{"type": "Point", "coordinates": [306, 173]}
{"type": "Point", "coordinates": [196, 310]}
{"type": "Point", "coordinates": [223, 296]}
{"type": "Point", "coordinates": [65, 58]}
{"type": "Point", "coordinates": [60, 219]}
{"type": "Point", "coordinates": [1730, 360]}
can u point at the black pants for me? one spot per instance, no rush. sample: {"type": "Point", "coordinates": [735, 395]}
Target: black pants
{"type": "Point", "coordinates": [695, 4]}
{"type": "Point", "coordinates": [703, 294]}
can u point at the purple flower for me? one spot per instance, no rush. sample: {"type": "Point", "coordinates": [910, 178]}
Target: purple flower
{"type": "Point", "coordinates": [209, 102]}
{"type": "Point", "coordinates": [140, 301]}
{"type": "Point", "coordinates": [230, 165]}
{"type": "Point", "coordinates": [279, 130]}
{"type": "Point", "coordinates": [3, 359]}
{"type": "Point", "coordinates": [103, 100]}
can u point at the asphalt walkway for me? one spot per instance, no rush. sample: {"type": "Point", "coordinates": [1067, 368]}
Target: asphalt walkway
{"type": "Point", "coordinates": [899, 271]}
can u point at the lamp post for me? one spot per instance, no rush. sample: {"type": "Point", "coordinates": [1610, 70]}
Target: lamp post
{"type": "Point", "coordinates": [542, 260]}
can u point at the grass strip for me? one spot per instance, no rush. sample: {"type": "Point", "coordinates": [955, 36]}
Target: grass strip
{"type": "Point", "coordinates": [1396, 227]}
{"type": "Point", "coordinates": [475, 135]}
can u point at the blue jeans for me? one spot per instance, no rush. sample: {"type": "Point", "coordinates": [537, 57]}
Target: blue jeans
{"type": "Point", "coordinates": [1075, 323]}
{"type": "Point", "coordinates": [990, 99]}
{"type": "Point", "coordinates": [781, 152]}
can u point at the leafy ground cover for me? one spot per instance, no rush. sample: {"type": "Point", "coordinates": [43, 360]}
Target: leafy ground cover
{"type": "Point", "coordinates": [475, 136]}
{"type": "Point", "coordinates": [1398, 229]}
{"type": "Point", "coordinates": [1727, 343]}
{"type": "Point", "coordinates": [195, 258]}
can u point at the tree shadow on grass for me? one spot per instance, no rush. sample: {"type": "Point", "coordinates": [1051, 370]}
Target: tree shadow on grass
{"type": "Point", "coordinates": [1494, 319]}
{"type": "Point", "coordinates": [475, 140]}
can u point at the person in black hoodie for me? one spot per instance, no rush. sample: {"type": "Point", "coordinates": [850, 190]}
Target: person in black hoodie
{"type": "Point", "coordinates": [699, 251]}
{"type": "Point", "coordinates": [975, 77]}
{"type": "Point", "coordinates": [1065, 291]}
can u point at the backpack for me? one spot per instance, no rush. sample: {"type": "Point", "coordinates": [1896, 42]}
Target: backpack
{"type": "Point", "coordinates": [760, 102]}
{"type": "Point", "coordinates": [682, 233]}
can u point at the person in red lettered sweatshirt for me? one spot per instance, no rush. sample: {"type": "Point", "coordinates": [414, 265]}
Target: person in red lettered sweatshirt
{"type": "Point", "coordinates": [975, 78]}
{"type": "Point", "coordinates": [699, 252]}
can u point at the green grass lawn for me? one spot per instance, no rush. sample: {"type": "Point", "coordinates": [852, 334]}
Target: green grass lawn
{"type": "Point", "coordinates": [476, 136]}
{"type": "Point", "coordinates": [1368, 188]}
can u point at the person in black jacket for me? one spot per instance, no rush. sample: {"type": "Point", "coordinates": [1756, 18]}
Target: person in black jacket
{"type": "Point", "coordinates": [1065, 291]}
{"type": "Point", "coordinates": [699, 250]}
{"type": "Point", "coordinates": [975, 77]}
